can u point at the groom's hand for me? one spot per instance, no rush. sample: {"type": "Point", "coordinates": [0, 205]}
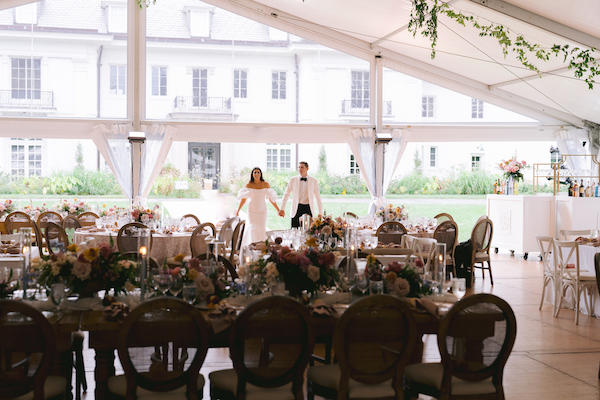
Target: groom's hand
{"type": "Point", "coordinates": [281, 213]}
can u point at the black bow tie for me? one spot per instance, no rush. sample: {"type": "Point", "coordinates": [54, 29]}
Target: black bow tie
{"type": "Point", "coordinates": [303, 179]}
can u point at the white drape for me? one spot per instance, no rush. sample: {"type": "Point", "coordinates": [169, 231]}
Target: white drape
{"type": "Point", "coordinates": [159, 139]}
{"type": "Point", "coordinates": [571, 142]}
{"type": "Point", "coordinates": [113, 143]}
{"type": "Point", "coordinates": [367, 154]}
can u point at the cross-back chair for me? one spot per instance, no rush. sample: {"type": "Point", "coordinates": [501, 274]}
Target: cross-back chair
{"type": "Point", "coordinates": [572, 234]}
{"type": "Point", "coordinates": [551, 268]}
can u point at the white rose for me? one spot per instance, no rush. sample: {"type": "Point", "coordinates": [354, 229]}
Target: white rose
{"type": "Point", "coordinates": [81, 270]}
{"type": "Point", "coordinates": [401, 287]}
{"type": "Point", "coordinates": [205, 285]}
{"type": "Point", "coordinates": [314, 273]}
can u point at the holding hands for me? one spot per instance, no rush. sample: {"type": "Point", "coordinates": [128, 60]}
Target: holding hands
{"type": "Point", "coordinates": [281, 213]}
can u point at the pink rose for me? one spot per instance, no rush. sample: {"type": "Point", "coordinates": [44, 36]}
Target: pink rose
{"type": "Point", "coordinates": [194, 264]}
{"type": "Point", "coordinates": [326, 259]}
{"type": "Point", "coordinates": [292, 257]}
{"type": "Point", "coordinates": [396, 266]}
{"type": "Point", "coordinates": [105, 249]}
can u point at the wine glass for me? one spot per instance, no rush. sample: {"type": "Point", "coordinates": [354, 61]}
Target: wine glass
{"type": "Point", "coordinates": [58, 291]}
{"type": "Point", "coordinates": [189, 292]}
{"type": "Point", "coordinates": [176, 284]}
{"type": "Point", "coordinates": [162, 282]}
{"type": "Point", "coordinates": [362, 283]}
{"type": "Point", "coordinates": [459, 287]}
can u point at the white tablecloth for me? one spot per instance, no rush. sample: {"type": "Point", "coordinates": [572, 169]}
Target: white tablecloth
{"type": "Point", "coordinates": [163, 246]}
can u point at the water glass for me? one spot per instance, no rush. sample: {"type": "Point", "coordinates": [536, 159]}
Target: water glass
{"type": "Point", "coordinates": [189, 292]}
{"type": "Point", "coordinates": [278, 289]}
{"type": "Point", "coordinates": [162, 282]}
{"type": "Point", "coordinates": [57, 293]}
{"type": "Point", "coordinates": [176, 284]}
{"type": "Point", "coordinates": [459, 287]}
{"type": "Point", "coordinates": [362, 282]}
{"type": "Point", "coordinates": [376, 287]}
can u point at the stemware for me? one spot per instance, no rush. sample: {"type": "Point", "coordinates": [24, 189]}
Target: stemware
{"type": "Point", "coordinates": [362, 282]}
{"type": "Point", "coordinates": [162, 282]}
{"type": "Point", "coordinates": [176, 284]}
{"type": "Point", "coordinates": [459, 287]}
{"type": "Point", "coordinates": [189, 292]}
{"type": "Point", "coordinates": [58, 292]}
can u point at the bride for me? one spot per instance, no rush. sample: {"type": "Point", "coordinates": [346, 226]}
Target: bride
{"type": "Point", "coordinates": [257, 190]}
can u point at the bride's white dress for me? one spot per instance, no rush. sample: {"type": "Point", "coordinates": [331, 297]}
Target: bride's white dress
{"type": "Point", "coordinates": [256, 226]}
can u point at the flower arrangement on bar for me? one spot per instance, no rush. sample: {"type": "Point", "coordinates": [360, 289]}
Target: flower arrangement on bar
{"type": "Point", "coordinates": [34, 212]}
{"type": "Point", "coordinates": [144, 214]}
{"type": "Point", "coordinates": [6, 207]}
{"type": "Point", "coordinates": [327, 227]}
{"type": "Point", "coordinates": [513, 168]}
{"type": "Point", "coordinates": [77, 207]}
{"type": "Point", "coordinates": [211, 285]}
{"type": "Point", "coordinates": [86, 270]}
{"type": "Point", "coordinates": [308, 269]}
{"type": "Point", "coordinates": [392, 213]}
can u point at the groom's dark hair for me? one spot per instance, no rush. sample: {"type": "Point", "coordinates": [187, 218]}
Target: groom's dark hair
{"type": "Point", "coordinates": [304, 162]}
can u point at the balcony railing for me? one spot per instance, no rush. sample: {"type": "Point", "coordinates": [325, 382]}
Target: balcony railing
{"type": "Point", "coordinates": [351, 107]}
{"type": "Point", "coordinates": [26, 99]}
{"type": "Point", "coordinates": [183, 103]}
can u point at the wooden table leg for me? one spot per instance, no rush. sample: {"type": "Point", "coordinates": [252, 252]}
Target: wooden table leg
{"type": "Point", "coordinates": [105, 368]}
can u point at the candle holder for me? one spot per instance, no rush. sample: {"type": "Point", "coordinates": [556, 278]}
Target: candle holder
{"type": "Point", "coordinates": [26, 233]}
{"type": "Point", "coordinates": [438, 267]}
{"type": "Point", "coordinates": [144, 238]}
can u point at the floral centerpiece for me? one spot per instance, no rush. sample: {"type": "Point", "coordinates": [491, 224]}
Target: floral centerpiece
{"type": "Point", "coordinates": [399, 278]}
{"type": "Point", "coordinates": [105, 211]}
{"type": "Point", "coordinates": [308, 269]}
{"type": "Point", "coordinates": [6, 207]}
{"type": "Point", "coordinates": [88, 269]}
{"type": "Point", "coordinates": [513, 168]}
{"type": "Point", "coordinates": [34, 212]}
{"type": "Point", "coordinates": [326, 226]}
{"type": "Point", "coordinates": [211, 285]}
{"type": "Point", "coordinates": [144, 214]}
{"type": "Point", "coordinates": [77, 207]}
{"type": "Point", "coordinates": [392, 213]}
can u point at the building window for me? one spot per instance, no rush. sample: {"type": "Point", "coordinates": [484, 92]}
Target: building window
{"type": "Point", "coordinates": [240, 84]}
{"type": "Point", "coordinates": [476, 162]}
{"type": "Point", "coordinates": [159, 81]}
{"type": "Point", "coordinates": [360, 95]}
{"type": "Point", "coordinates": [354, 170]}
{"type": "Point", "coordinates": [26, 157]}
{"type": "Point", "coordinates": [117, 79]}
{"type": "Point", "coordinates": [117, 18]}
{"type": "Point", "coordinates": [199, 23]}
{"type": "Point", "coordinates": [26, 14]}
{"type": "Point", "coordinates": [279, 156]}
{"type": "Point", "coordinates": [433, 157]}
{"type": "Point", "coordinates": [26, 80]}
{"type": "Point", "coordinates": [200, 87]}
{"type": "Point", "coordinates": [427, 103]}
{"type": "Point", "coordinates": [476, 108]}
{"type": "Point", "coordinates": [278, 86]}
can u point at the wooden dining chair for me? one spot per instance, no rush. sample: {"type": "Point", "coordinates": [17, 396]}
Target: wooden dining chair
{"type": "Point", "coordinates": [226, 231]}
{"type": "Point", "coordinates": [373, 341]}
{"type": "Point", "coordinates": [236, 243]}
{"type": "Point", "coordinates": [447, 232]}
{"type": "Point", "coordinates": [551, 269]}
{"type": "Point", "coordinates": [481, 240]}
{"type": "Point", "coordinates": [190, 219]}
{"type": "Point", "coordinates": [70, 225]}
{"type": "Point", "coordinates": [17, 220]}
{"type": "Point", "coordinates": [571, 277]}
{"type": "Point", "coordinates": [27, 349]}
{"type": "Point", "coordinates": [475, 339]}
{"type": "Point", "coordinates": [197, 240]}
{"type": "Point", "coordinates": [48, 216]}
{"type": "Point", "coordinates": [442, 217]}
{"type": "Point", "coordinates": [166, 363]}
{"type": "Point", "coordinates": [351, 215]}
{"type": "Point", "coordinates": [127, 238]}
{"type": "Point", "coordinates": [56, 238]}
{"type": "Point", "coordinates": [231, 270]}
{"type": "Point", "coordinates": [87, 218]}
{"type": "Point", "coordinates": [391, 232]}
{"type": "Point", "coordinates": [270, 346]}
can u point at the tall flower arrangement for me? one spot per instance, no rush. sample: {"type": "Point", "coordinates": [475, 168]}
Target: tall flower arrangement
{"type": "Point", "coordinates": [77, 207]}
{"type": "Point", "coordinates": [399, 278]}
{"type": "Point", "coordinates": [143, 214]}
{"type": "Point", "coordinates": [326, 226]}
{"type": "Point", "coordinates": [392, 213]}
{"type": "Point", "coordinates": [513, 168]}
{"type": "Point", "coordinates": [211, 285]}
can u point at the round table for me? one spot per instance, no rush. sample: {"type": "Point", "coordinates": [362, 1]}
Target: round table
{"type": "Point", "coordinates": [163, 246]}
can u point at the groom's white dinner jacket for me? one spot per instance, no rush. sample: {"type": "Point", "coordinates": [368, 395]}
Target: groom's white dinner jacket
{"type": "Point", "coordinates": [313, 193]}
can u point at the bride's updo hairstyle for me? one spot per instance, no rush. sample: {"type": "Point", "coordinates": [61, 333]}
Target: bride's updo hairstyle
{"type": "Point", "coordinates": [252, 173]}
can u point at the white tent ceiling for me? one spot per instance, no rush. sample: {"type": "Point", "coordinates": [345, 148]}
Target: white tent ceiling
{"type": "Point", "coordinates": [464, 61]}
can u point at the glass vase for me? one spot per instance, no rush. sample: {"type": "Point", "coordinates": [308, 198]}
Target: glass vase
{"type": "Point", "coordinates": [515, 186]}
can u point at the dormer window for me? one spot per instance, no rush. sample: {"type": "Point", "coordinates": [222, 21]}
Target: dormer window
{"type": "Point", "coordinates": [116, 14]}
{"type": "Point", "coordinates": [198, 20]}
{"type": "Point", "coordinates": [26, 14]}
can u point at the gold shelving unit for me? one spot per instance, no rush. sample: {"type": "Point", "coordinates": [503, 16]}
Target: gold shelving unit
{"type": "Point", "coordinates": [560, 170]}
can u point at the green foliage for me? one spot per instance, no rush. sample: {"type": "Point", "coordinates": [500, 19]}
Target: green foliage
{"type": "Point", "coordinates": [322, 159]}
{"type": "Point", "coordinates": [418, 163]}
{"type": "Point", "coordinates": [164, 186]}
{"type": "Point", "coordinates": [79, 156]}
{"type": "Point", "coordinates": [425, 20]}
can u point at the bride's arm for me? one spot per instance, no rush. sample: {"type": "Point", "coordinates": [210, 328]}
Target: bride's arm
{"type": "Point", "coordinates": [274, 205]}
{"type": "Point", "coordinates": [242, 202]}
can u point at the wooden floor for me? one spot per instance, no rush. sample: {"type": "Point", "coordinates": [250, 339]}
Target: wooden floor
{"type": "Point", "coordinates": [552, 359]}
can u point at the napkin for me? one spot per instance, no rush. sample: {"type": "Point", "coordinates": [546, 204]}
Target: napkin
{"type": "Point", "coordinates": [221, 317]}
{"type": "Point", "coordinates": [42, 305]}
{"type": "Point", "coordinates": [426, 305]}
{"type": "Point", "coordinates": [117, 311]}
{"type": "Point", "coordinates": [87, 303]}
{"type": "Point", "coordinates": [322, 310]}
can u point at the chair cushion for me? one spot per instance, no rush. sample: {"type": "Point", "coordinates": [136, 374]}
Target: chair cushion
{"type": "Point", "coordinates": [329, 376]}
{"type": "Point", "coordinates": [227, 380]}
{"type": "Point", "coordinates": [481, 256]}
{"type": "Point", "coordinates": [118, 385]}
{"type": "Point", "coordinates": [431, 374]}
{"type": "Point", "coordinates": [53, 386]}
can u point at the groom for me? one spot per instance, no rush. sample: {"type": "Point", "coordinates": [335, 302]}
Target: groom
{"type": "Point", "coordinates": [304, 188]}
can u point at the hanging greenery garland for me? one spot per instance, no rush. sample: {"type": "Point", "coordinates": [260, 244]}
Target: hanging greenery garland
{"type": "Point", "coordinates": [424, 18]}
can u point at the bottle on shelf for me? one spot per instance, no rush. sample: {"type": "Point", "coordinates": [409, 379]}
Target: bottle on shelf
{"type": "Point", "coordinates": [570, 188]}
{"type": "Point", "coordinates": [597, 190]}
{"type": "Point", "coordinates": [575, 189]}
{"type": "Point", "coordinates": [581, 189]}
{"type": "Point", "coordinates": [496, 187]}
{"type": "Point", "coordinates": [588, 191]}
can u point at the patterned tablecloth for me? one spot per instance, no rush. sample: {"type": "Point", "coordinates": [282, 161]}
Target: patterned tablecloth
{"type": "Point", "coordinates": [163, 246]}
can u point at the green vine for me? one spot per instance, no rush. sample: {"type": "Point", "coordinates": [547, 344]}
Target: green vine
{"type": "Point", "coordinates": [146, 3]}
{"type": "Point", "coordinates": [424, 19]}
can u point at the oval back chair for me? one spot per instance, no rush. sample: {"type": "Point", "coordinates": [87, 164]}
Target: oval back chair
{"type": "Point", "coordinates": [391, 232]}
{"type": "Point", "coordinates": [127, 238]}
{"type": "Point", "coordinates": [197, 240]}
